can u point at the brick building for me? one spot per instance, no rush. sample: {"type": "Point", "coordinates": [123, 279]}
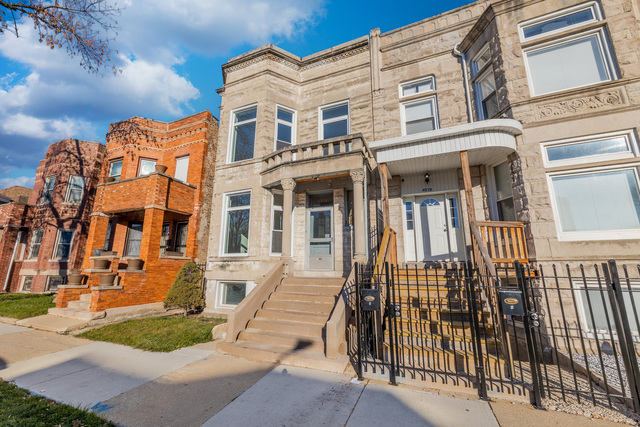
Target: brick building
{"type": "Point", "coordinates": [13, 233]}
{"type": "Point", "coordinates": [517, 118]}
{"type": "Point", "coordinates": [56, 220]}
{"type": "Point", "coordinates": [152, 208]}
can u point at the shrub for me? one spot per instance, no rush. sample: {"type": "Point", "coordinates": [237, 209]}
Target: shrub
{"type": "Point", "coordinates": [185, 292]}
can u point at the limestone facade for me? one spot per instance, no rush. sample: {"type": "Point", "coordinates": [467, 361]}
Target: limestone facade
{"type": "Point", "coordinates": [475, 76]}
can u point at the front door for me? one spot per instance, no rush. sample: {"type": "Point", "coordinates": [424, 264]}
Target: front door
{"type": "Point", "coordinates": [320, 238]}
{"type": "Point", "coordinates": [432, 228]}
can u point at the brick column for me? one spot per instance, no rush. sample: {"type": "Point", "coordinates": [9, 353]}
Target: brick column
{"type": "Point", "coordinates": [288, 185]}
{"type": "Point", "coordinates": [357, 176]}
{"type": "Point", "coordinates": [151, 233]}
{"type": "Point", "coordinates": [96, 236]}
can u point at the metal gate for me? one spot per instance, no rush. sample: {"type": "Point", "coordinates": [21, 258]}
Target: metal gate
{"type": "Point", "coordinates": [566, 336]}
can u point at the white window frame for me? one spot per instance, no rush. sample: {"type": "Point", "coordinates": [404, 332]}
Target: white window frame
{"type": "Point", "coordinates": [231, 143]}
{"type": "Point", "coordinates": [225, 211]}
{"type": "Point", "coordinates": [434, 105]}
{"type": "Point", "coordinates": [47, 193]}
{"type": "Point", "coordinates": [220, 288]}
{"type": "Point", "coordinates": [591, 5]}
{"type": "Point", "coordinates": [475, 70]}
{"type": "Point", "coordinates": [571, 236]}
{"type": "Point", "coordinates": [111, 163]}
{"type": "Point", "coordinates": [33, 238]}
{"type": "Point", "coordinates": [477, 82]}
{"type": "Point", "coordinates": [293, 125]}
{"type": "Point", "coordinates": [146, 159]}
{"type": "Point", "coordinates": [628, 135]}
{"type": "Point", "coordinates": [57, 244]}
{"type": "Point", "coordinates": [414, 81]}
{"type": "Point", "coordinates": [492, 191]}
{"type": "Point", "coordinates": [24, 279]}
{"type": "Point", "coordinates": [48, 284]}
{"type": "Point", "coordinates": [271, 229]}
{"type": "Point", "coordinates": [321, 122]}
{"type": "Point", "coordinates": [67, 195]}
{"type": "Point", "coordinates": [178, 158]}
{"type": "Point", "coordinates": [578, 287]}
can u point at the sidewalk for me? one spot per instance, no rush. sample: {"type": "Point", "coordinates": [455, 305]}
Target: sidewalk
{"type": "Point", "coordinates": [196, 385]}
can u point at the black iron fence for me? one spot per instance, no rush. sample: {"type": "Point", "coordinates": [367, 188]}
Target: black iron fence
{"type": "Point", "coordinates": [568, 334]}
{"type": "Point", "coordinates": [203, 281]}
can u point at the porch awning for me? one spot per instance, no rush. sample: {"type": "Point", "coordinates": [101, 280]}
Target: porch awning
{"type": "Point", "coordinates": [486, 141]}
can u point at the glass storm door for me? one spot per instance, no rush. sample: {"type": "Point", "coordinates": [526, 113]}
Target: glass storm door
{"type": "Point", "coordinates": [320, 238]}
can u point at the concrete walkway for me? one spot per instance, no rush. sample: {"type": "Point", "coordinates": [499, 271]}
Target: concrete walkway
{"type": "Point", "coordinates": [198, 386]}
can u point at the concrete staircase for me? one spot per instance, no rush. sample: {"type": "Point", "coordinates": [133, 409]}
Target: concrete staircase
{"type": "Point", "coordinates": [78, 310]}
{"type": "Point", "coordinates": [289, 329]}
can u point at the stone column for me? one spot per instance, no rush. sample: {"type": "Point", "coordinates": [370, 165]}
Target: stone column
{"type": "Point", "coordinates": [357, 176]}
{"type": "Point", "coordinates": [288, 185]}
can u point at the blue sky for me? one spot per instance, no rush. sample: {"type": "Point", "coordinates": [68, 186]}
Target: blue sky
{"type": "Point", "coordinates": [170, 57]}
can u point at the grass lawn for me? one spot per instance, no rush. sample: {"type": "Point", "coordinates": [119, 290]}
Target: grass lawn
{"type": "Point", "coordinates": [157, 334]}
{"type": "Point", "coordinates": [21, 306]}
{"type": "Point", "coordinates": [19, 408]}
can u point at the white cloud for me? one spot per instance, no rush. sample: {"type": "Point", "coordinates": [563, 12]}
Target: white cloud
{"type": "Point", "coordinates": [23, 181]}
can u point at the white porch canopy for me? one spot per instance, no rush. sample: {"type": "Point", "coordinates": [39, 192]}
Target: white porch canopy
{"type": "Point", "coordinates": [485, 141]}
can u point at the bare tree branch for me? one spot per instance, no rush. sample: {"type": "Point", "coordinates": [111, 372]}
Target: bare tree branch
{"type": "Point", "coordinates": [81, 26]}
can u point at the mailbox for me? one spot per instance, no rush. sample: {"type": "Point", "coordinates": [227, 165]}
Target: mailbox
{"type": "Point", "coordinates": [370, 300]}
{"type": "Point", "coordinates": [512, 303]}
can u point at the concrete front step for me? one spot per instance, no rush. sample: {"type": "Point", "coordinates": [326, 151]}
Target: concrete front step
{"type": "Point", "coordinates": [51, 323]}
{"type": "Point", "coordinates": [309, 289]}
{"type": "Point", "coordinates": [280, 338]}
{"type": "Point", "coordinates": [79, 305]}
{"type": "Point", "coordinates": [298, 328]}
{"type": "Point", "coordinates": [78, 314]}
{"type": "Point", "coordinates": [284, 355]}
{"type": "Point", "coordinates": [295, 316]}
{"type": "Point", "coordinates": [286, 296]}
{"type": "Point", "coordinates": [309, 307]}
{"type": "Point", "coordinates": [85, 297]}
{"type": "Point", "coordinates": [331, 282]}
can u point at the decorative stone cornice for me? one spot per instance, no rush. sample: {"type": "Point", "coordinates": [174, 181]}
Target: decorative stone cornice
{"type": "Point", "coordinates": [582, 104]}
{"type": "Point", "coordinates": [357, 175]}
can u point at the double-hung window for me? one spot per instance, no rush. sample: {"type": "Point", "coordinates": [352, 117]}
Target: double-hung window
{"type": "Point", "coordinates": [285, 128]}
{"type": "Point", "coordinates": [591, 201]}
{"type": "Point", "coordinates": [47, 191]}
{"type": "Point", "coordinates": [115, 169]}
{"type": "Point", "coordinates": [75, 189]}
{"type": "Point", "coordinates": [334, 120]}
{"type": "Point", "coordinates": [62, 247]}
{"type": "Point", "coordinates": [568, 60]}
{"type": "Point", "coordinates": [236, 223]}
{"type": "Point", "coordinates": [484, 84]}
{"type": "Point", "coordinates": [419, 109]}
{"type": "Point", "coordinates": [504, 193]}
{"type": "Point", "coordinates": [36, 241]}
{"type": "Point", "coordinates": [243, 134]}
{"type": "Point", "coordinates": [276, 223]}
{"type": "Point", "coordinates": [182, 232]}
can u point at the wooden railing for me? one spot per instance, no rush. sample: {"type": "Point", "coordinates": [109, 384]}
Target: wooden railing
{"type": "Point", "coordinates": [504, 241]}
{"type": "Point", "coordinates": [388, 251]}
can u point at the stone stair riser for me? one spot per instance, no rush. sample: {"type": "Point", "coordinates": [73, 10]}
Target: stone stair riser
{"type": "Point", "coordinates": [309, 307]}
{"type": "Point", "coordinates": [316, 319]}
{"type": "Point", "coordinates": [309, 343]}
{"type": "Point", "coordinates": [303, 329]}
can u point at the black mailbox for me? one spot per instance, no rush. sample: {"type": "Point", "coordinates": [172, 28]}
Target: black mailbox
{"type": "Point", "coordinates": [370, 300]}
{"type": "Point", "coordinates": [512, 303]}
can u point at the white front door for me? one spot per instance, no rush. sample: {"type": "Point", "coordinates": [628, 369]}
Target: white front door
{"type": "Point", "coordinates": [432, 228]}
{"type": "Point", "coordinates": [320, 238]}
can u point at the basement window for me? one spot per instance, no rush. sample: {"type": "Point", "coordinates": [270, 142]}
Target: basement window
{"type": "Point", "coordinates": [232, 293]}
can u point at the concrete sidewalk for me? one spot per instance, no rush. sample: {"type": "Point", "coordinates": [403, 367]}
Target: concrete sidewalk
{"type": "Point", "coordinates": [197, 385]}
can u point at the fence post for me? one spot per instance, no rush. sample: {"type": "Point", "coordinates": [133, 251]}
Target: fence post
{"type": "Point", "coordinates": [359, 321]}
{"type": "Point", "coordinates": [532, 344]}
{"type": "Point", "coordinates": [621, 321]}
{"type": "Point", "coordinates": [392, 333]}
{"type": "Point", "coordinates": [476, 344]}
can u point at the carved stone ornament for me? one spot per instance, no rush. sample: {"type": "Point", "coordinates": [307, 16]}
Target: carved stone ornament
{"type": "Point", "coordinates": [288, 184]}
{"type": "Point", "coordinates": [357, 175]}
{"type": "Point", "coordinates": [586, 103]}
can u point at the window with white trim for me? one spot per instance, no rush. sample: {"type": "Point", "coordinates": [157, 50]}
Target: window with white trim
{"type": "Point", "coordinates": [594, 202]}
{"type": "Point", "coordinates": [232, 293]}
{"type": "Point", "coordinates": [147, 166]}
{"type": "Point", "coordinates": [419, 113]}
{"type": "Point", "coordinates": [417, 87]}
{"type": "Point", "coordinates": [236, 223]}
{"type": "Point", "coordinates": [334, 120]}
{"type": "Point", "coordinates": [569, 61]}
{"type": "Point", "coordinates": [276, 223]}
{"type": "Point", "coordinates": [115, 169]}
{"type": "Point", "coordinates": [182, 168]}
{"type": "Point", "coordinates": [47, 190]}
{"type": "Point", "coordinates": [27, 281]}
{"type": "Point", "coordinates": [243, 134]}
{"type": "Point", "coordinates": [75, 189]}
{"type": "Point", "coordinates": [36, 241]}
{"type": "Point", "coordinates": [484, 84]}
{"type": "Point", "coordinates": [504, 192]}
{"type": "Point", "coordinates": [54, 281]}
{"type": "Point", "coordinates": [285, 128]}
{"type": "Point", "coordinates": [62, 247]}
